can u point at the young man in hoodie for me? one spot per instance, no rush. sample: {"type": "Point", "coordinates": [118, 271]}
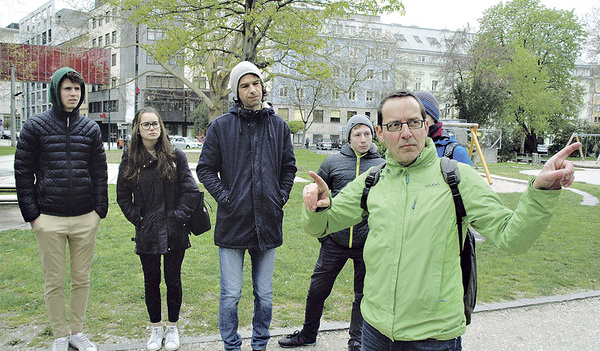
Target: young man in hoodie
{"type": "Point", "coordinates": [61, 179]}
{"type": "Point", "coordinates": [445, 144]}
{"type": "Point", "coordinates": [248, 166]}
{"type": "Point", "coordinates": [356, 157]}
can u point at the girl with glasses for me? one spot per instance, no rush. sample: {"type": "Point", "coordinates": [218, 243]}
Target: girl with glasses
{"type": "Point", "coordinates": [158, 195]}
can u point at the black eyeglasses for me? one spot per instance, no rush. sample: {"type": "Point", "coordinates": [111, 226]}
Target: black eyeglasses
{"type": "Point", "coordinates": [396, 126]}
{"type": "Point", "coordinates": [147, 125]}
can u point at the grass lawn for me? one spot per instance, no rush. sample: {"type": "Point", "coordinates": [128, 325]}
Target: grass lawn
{"type": "Point", "coordinates": [563, 260]}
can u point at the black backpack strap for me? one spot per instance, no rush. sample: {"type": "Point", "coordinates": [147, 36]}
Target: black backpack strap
{"type": "Point", "coordinates": [372, 179]}
{"type": "Point", "coordinates": [452, 177]}
{"type": "Point", "coordinates": [449, 149]}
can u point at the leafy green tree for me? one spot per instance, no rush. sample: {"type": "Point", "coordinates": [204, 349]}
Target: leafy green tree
{"type": "Point", "coordinates": [540, 46]}
{"type": "Point", "coordinates": [295, 126]}
{"type": "Point", "coordinates": [209, 37]}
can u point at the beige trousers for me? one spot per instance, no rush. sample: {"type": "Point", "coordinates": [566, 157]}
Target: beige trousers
{"type": "Point", "coordinates": [52, 234]}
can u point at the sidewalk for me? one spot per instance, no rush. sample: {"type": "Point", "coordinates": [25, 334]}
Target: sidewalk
{"type": "Point", "coordinates": [559, 323]}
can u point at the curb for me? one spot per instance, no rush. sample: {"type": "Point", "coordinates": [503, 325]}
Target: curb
{"type": "Point", "coordinates": [339, 326]}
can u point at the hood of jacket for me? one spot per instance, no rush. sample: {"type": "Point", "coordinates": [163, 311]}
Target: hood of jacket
{"type": "Point", "coordinates": [55, 82]}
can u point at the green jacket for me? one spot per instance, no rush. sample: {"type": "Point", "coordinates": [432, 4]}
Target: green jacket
{"type": "Point", "coordinates": [413, 288]}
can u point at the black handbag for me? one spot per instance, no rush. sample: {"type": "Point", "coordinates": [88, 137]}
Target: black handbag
{"type": "Point", "coordinates": [200, 221]}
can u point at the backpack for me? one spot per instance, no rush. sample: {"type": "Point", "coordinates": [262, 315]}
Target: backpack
{"type": "Point", "coordinates": [449, 149]}
{"type": "Point", "coordinates": [468, 260]}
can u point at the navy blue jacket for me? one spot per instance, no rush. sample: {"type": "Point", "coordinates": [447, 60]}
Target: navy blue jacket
{"type": "Point", "coordinates": [248, 166]}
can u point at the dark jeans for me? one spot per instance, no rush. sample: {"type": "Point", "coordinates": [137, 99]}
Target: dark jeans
{"type": "Point", "coordinates": [332, 258]}
{"type": "Point", "coordinates": [152, 278]}
{"type": "Point", "coordinates": [373, 340]}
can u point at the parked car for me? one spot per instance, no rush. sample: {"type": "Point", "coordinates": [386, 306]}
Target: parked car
{"type": "Point", "coordinates": [6, 134]}
{"type": "Point", "coordinates": [324, 144]}
{"type": "Point", "coordinates": [185, 143]}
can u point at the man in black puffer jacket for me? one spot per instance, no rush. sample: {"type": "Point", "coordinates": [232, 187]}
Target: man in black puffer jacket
{"type": "Point", "coordinates": [337, 170]}
{"type": "Point", "coordinates": [61, 179]}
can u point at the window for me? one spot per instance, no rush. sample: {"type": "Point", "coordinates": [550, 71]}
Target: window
{"type": "Point", "coordinates": [100, 41]}
{"type": "Point", "coordinates": [284, 113]}
{"type": "Point", "coordinates": [113, 60]}
{"type": "Point", "coordinates": [299, 93]}
{"type": "Point", "coordinates": [154, 34]}
{"type": "Point", "coordinates": [370, 73]}
{"type": "Point", "coordinates": [95, 107]}
{"type": "Point", "coordinates": [93, 24]}
{"type": "Point", "coordinates": [317, 138]}
{"type": "Point", "coordinates": [385, 76]}
{"type": "Point", "coordinates": [283, 92]}
{"type": "Point", "coordinates": [335, 95]}
{"type": "Point", "coordinates": [417, 39]}
{"type": "Point", "coordinates": [350, 114]}
{"type": "Point", "coordinates": [334, 117]}
{"type": "Point", "coordinates": [434, 85]}
{"type": "Point", "coordinates": [93, 42]}
{"type": "Point", "coordinates": [99, 22]}
{"type": "Point", "coordinates": [418, 86]}
{"type": "Point", "coordinates": [111, 106]}
{"type": "Point", "coordinates": [150, 60]}
{"type": "Point", "coordinates": [107, 18]}
{"type": "Point", "coordinates": [318, 116]}
{"type": "Point", "coordinates": [433, 41]}
{"type": "Point", "coordinates": [44, 38]}
{"type": "Point", "coordinates": [107, 39]}
{"type": "Point", "coordinates": [421, 58]}
{"type": "Point", "coordinates": [114, 36]}
{"type": "Point", "coordinates": [353, 51]}
{"type": "Point", "coordinates": [370, 96]}
{"type": "Point", "coordinates": [49, 36]}
{"type": "Point", "coordinates": [352, 71]}
{"type": "Point", "coordinates": [352, 95]}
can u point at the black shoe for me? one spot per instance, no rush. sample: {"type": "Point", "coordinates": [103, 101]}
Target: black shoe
{"type": "Point", "coordinates": [294, 340]}
{"type": "Point", "coordinates": [355, 346]}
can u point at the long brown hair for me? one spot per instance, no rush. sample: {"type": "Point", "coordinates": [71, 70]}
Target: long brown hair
{"type": "Point", "coordinates": [137, 152]}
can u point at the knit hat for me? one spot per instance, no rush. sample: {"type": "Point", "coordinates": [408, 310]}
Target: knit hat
{"type": "Point", "coordinates": [431, 104]}
{"type": "Point", "coordinates": [355, 120]}
{"type": "Point", "coordinates": [240, 70]}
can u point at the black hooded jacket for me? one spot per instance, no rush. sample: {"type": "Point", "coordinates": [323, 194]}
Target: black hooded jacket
{"type": "Point", "coordinates": [157, 208]}
{"type": "Point", "coordinates": [337, 171]}
{"type": "Point", "coordinates": [60, 164]}
{"type": "Point", "coordinates": [248, 165]}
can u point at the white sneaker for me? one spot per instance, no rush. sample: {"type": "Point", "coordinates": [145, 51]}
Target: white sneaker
{"type": "Point", "coordinates": [156, 339]}
{"type": "Point", "coordinates": [81, 342]}
{"type": "Point", "coordinates": [172, 338]}
{"type": "Point", "coordinates": [61, 344]}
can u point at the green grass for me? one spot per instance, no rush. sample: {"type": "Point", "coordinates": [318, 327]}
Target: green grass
{"type": "Point", "coordinates": [7, 150]}
{"type": "Point", "coordinates": [563, 260]}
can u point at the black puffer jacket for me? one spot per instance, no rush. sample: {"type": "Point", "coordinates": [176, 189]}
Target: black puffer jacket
{"type": "Point", "coordinates": [337, 171]}
{"type": "Point", "coordinates": [253, 154]}
{"type": "Point", "coordinates": [60, 164]}
{"type": "Point", "coordinates": [158, 209]}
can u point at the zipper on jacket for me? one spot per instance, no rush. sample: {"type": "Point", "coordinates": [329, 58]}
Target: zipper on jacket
{"type": "Point", "coordinates": [412, 211]}
{"type": "Point", "coordinates": [358, 157]}
{"type": "Point", "coordinates": [68, 134]}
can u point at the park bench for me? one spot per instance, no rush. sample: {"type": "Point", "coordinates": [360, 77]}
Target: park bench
{"type": "Point", "coordinates": [8, 195]}
{"type": "Point", "coordinates": [523, 158]}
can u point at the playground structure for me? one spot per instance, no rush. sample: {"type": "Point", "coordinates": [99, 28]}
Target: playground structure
{"type": "Point", "coordinates": [474, 143]}
{"type": "Point", "coordinates": [576, 137]}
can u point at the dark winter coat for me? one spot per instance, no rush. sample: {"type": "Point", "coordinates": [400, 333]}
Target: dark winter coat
{"type": "Point", "coordinates": [337, 171]}
{"type": "Point", "coordinates": [60, 164]}
{"type": "Point", "coordinates": [157, 208]}
{"type": "Point", "coordinates": [252, 153]}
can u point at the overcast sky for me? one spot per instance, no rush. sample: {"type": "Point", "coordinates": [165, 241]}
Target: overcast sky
{"type": "Point", "coordinates": [438, 14]}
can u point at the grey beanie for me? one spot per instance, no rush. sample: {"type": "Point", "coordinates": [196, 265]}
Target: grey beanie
{"type": "Point", "coordinates": [240, 70]}
{"type": "Point", "coordinates": [431, 104]}
{"type": "Point", "coordinates": [357, 119]}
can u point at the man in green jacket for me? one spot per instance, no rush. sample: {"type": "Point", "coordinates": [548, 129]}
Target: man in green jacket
{"type": "Point", "coordinates": [413, 289]}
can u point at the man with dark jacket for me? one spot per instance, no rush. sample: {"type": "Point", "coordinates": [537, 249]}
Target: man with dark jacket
{"type": "Point", "coordinates": [248, 166]}
{"type": "Point", "coordinates": [445, 144]}
{"type": "Point", "coordinates": [61, 179]}
{"type": "Point", "coordinates": [356, 157]}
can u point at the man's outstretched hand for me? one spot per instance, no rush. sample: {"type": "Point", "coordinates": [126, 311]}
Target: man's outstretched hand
{"type": "Point", "coordinates": [316, 194]}
{"type": "Point", "coordinates": [557, 172]}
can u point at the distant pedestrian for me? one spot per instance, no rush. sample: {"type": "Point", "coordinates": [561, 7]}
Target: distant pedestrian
{"type": "Point", "coordinates": [307, 142]}
{"type": "Point", "coordinates": [61, 178]}
{"type": "Point", "coordinates": [158, 195]}
{"type": "Point", "coordinates": [247, 164]}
